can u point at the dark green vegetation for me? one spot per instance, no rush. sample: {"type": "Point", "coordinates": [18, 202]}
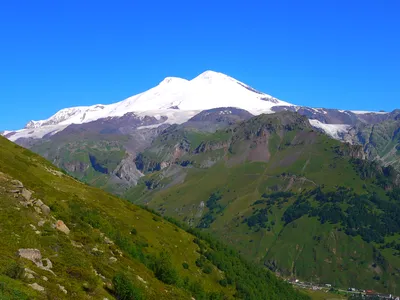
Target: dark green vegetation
{"type": "Point", "coordinates": [286, 196]}
{"type": "Point", "coordinates": [113, 249]}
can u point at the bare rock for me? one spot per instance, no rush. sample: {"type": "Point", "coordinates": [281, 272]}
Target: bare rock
{"type": "Point", "coordinates": [47, 264]}
{"type": "Point", "coordinates": [62, 289]}
{"type": "Point", "coordinates": [96, 251]}
{"type": "Point", "coordinates": [17, 184]}
{"type": "Point", "coordinates": [76, 244]}
{"type": "Point", "coordinates": [26, 194]}
{"type": "Point", "coordinates": [45, 209]}
{"type": "Point", "coordinates": [108, 241]}
{"type": "Point", "coordinates": [39, 203]}
{"type": "Point", "coordinates": [45, 278]}
{"type": "Point", "coordinates": [36, 287]}
{"type": "Point", "coordinates": [113, 259]}
{"type": "Point", "coordinates": [62, 227]}
{"type": "Point", "coordinates": [141, 279]}
{"type": "Point", "coordinates": [14, 191]}
{"type": "Point", "coordinates": [33, 255]}
{"type": "Point", "coordinates": [29, 274]}
{"type": "Point", "coordinates": [41, 223]}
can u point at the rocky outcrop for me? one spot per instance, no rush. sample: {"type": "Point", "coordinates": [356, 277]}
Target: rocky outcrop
{"type": "Point", "coordinates": [29, 274]}
{"type": "Point", "coordinates": [26, 194]}
{"type": "Point", "coordinates": [33, 255]}
{"type": "Point", "coordinates": [37, 287]}
{"type": "Point", "coordinates": [62, 227]}
{"type": "Point", "coordinates": [62, 289]}
{"type": "Point", "coordinates": [17, 184]}
{"type": "Point", "coordinates": [127, 171]}
{"type": "Point", "coordinates": [75, 166]}
{"type": "Point", "coordinates": [211, 146]}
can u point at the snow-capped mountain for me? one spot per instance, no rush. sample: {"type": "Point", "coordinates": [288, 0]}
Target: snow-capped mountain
{"type": "Point", "coordinates": [176, 100]}
{"type": "Point", "coordinates": [208, 90]}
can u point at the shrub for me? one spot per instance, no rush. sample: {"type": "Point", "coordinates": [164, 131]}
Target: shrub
{"type": "Point", "coordinates": [199, 262]}
{"type": "Point", "coordinates": [164, 270]}
{"type": "Point", "coordinates": [134, 231]}
{"type": "Point", "coordinates": [124, 289]}
{"type": "Point", "coordinates": [185, 266]}
{"type": "Point", "coordinates": [207, 269]}
{"type": "Point", "coordinates": [223, 282]}
{"type": "Point", "coordinates": [14, 270]}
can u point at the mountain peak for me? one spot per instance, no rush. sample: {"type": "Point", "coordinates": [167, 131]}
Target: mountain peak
{"type": "Point", "coordinates": [169, 80]}
{"type": "Point", "coordinates": [211, 76]}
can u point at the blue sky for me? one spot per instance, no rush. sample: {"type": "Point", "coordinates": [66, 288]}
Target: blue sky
{"type": "Point", "coordinates": [56, 54]}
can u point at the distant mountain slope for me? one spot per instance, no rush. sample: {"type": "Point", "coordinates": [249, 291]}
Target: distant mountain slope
{"type": "Point", "coordinates": [62, 239]}
{"type": "Point", "coordinates": [102, 153]}
{"type": "Point", "coordinates": [285, 195]}
{"type": "Point", "coordinates": [381, 141]}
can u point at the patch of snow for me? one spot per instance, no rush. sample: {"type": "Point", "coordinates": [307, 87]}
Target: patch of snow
{"type": "Point", "coordinates": [361, 112]}
{"type": "Point", "coordinates": [36, 133]}
{"type": "Point", "coordinates": [174, 116]}
{"type": "Point", "coordinates": [225, 112]}
{"type": "Point", "coordinates": [332, 130]}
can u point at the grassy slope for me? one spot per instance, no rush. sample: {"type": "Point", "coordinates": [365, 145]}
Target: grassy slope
{"type": "Point", "coordinates": [314, 160]}
{"type": "Point", "coordinates": [77, 205]}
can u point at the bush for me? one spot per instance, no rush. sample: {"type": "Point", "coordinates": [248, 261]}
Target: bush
{"type": "Point", "coordinates": [134, 231]}
{"type": "Point", "coordinates": [200, 262]}
{"type": "Point", "coordinates": [185, 266]}
{"type": "Point", "coordinates": [223, 282]}
{"type": "Point", "coordinates": [14, 270]}
{"type": "Point", "coordinates": [164, 270]}
{"type": "Point", "coordinates": [207, 269]}
{"type": "Point", "coordinates": [124, 289]}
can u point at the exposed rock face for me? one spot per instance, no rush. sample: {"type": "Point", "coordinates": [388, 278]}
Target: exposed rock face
{"type": "Point", "coordinates": [26, 194]}
{"type": "Point", "coordinates": [62, 289]}
{"type": "Point", "coordinates": [62, 227]}
{"type": "Point", "coordinates": [127, 171]}
{"type": "Point", "coordinates": [33, 255]}
{"type": "Point", "coordinates": [18, 184]}
{"type": "Point", "coordinates": [76, 166]}
{"type": "Point", "coordinates": [45, 209]}
{"type": "Point", "coordinates": [29, 274]}
{"type": "Point", "coordinates": [37, 287]}
{"type": "Point", "coordinates": [108, 241]}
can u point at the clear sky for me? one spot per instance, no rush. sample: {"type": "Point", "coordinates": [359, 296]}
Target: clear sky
{"type": "Point", "coordinates": [55, 54]}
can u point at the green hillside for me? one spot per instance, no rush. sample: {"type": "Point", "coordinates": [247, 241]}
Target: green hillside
{"type": "Point", "coordinates": [62, 239]}
{"type": "Point", "coordinates": [287, 197]}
